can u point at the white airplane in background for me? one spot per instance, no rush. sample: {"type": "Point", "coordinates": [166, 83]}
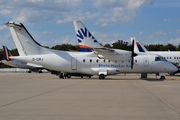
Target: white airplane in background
{"type": "Point", "coordinates": [17, 63]}
{"type": "Point", "coordinates": [172, 56]}
{"type": "Point", "coordinates": [83, 62]}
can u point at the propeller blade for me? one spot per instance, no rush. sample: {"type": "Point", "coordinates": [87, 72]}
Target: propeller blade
{"type": "Point", "coordinates": [132, 54]}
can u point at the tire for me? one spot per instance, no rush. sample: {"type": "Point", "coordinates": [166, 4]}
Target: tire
{"type": "Point", "coordinates": [68, 75]}
{"type": "Point", "coordinates": [101, 76]}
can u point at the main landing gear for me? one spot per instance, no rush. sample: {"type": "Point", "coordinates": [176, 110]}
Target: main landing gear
{"type": "Point", "coordinates": [102, 76]}
{"type": "Point", "coordinates": [162, 78]}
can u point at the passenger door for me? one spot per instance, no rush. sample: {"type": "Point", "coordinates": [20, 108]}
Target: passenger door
{"type": "Point", "coordinates": [146, 61]}
{"type": "Point", "coordinates": [73, 63]}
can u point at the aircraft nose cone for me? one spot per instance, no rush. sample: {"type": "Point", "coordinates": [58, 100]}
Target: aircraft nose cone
{"type": "Point", "coordinates": [172, 68]}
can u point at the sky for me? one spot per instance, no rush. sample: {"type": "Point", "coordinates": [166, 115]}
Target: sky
{"type": "Point", "coordinates": [50, 22]}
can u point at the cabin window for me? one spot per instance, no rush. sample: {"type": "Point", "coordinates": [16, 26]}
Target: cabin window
{"type": "Point", "coordinates": [97, 60]}
{"type": "Point", "coordinates": [157, 59]}
{"type": "Point", "coordinates": [169, 57]}
{"type": "Point", "coordinates": [160, 59]}
{"type": "Point", "coordinates": [104, 60]}
{"type": "Point", "coordinates": [174, 57]}
{"type": "Point", "coordinates": [109, 61]}
{"type": "Point", "coordinates": [83, 60]}
{"type": "Point", "coordinates": [90, 60]}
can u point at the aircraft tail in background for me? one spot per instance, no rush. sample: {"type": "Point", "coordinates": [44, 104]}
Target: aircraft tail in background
{"type": "Point", "coordinates": [7, 53]}
{"type": "Point", "coordinates": [138, 47]}
{"type": "Point", "coordinates": [85, 38]}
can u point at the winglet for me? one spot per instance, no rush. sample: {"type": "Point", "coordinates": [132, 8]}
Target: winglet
{"type": "Point", "coordinates": [85, 39]}
{"type": "Point", "coordinates": [7, 53]}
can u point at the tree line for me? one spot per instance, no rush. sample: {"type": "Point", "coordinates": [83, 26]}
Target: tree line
{"type": "Point", "coordinates": [120, 44]}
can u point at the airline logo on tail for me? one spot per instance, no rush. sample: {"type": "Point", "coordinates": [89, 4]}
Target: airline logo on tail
{"type": "Point", "coordinates": [139, 47]}
{"type": "Point", "coordinates": [81, 35]}
{"type": "Point", "coordinates": [85, 39]}
{"type": "Point", "coordinates": [7, 53]}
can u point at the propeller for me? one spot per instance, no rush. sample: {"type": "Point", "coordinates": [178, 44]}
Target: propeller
{"type": "Point", "coordinates": [133, 54]}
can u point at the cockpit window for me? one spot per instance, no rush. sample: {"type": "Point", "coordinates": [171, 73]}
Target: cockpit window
{"type": "Point", "coordinates": [160, 59]}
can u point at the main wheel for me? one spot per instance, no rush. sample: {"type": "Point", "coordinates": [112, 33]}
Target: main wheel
{"type": "Point", "coordinates": [101, 76]}
{"type": "Point", "coordinates": [68, 75]}
{"type": "Point", "coordinates": [162, 78]}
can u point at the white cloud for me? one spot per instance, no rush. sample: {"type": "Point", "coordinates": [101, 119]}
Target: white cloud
{"type": "Point", "coordinates": [178, 31]}
{"type": "Point", "coordinates": [37, 10]}
{"type": "Point", "coordinates": [120, 10]}
{"type": "Point", "coordinates": [71, 16]}
{"type": "Point", "coordinates": [46, 32]}
{"type": "Point", "coordinates": [62, 11]}
{"type": "Point", "coordinates": [174, 41]}
{"type": "Point", "coordinates": [140, 33]}
{"type": "Point", "coordinates": [3, 27]}
{"type": "Point", "coordinates": [104, 25]}
{"type": "Point", "coordinates": [166, 20]}
{"type": "Point", "coordinates": [160, 33]}
{"type": "Point", "coordinates": [106, 38]}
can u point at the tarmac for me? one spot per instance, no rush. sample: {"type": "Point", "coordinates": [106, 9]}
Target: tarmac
{"type": "Point", "coordinates": [34, 96]}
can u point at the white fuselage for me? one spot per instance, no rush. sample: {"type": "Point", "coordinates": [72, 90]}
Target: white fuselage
{"type": "Point", "coordinates": [89, 63]}
{"type": "Point", "coordinates": [172, 56]}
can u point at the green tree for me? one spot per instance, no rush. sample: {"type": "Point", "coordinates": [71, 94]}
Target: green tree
{"type": "Point", "coordinates": [107, 45]}
{"type": "Point", "coordinates": [66, 47]}
{"type": "Point", "coordinates": [120, 44]}
{"type": "Point", "coordinates": [14, 52]}
{"type": "Point", "coordinates": [178, 48]}
{"type": "Point", "coordinates": [157, 47]}
{"type": "Point", "coordinates": [170, 47]}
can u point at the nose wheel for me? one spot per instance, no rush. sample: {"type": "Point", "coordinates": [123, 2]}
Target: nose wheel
{"type": "Point", "coordinates": [102, 76]}
{"type": "Point", "coordinates": [162, 78]}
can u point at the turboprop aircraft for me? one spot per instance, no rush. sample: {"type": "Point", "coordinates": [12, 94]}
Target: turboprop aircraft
{"type": "Point", "coordinates": [172, 56]}
{"type": "Point", "coordinates": [18, 63]}
{"type": "Point", "coordinates": [82, 62]}
{"type": "Point", "coordinates": [88, 43]}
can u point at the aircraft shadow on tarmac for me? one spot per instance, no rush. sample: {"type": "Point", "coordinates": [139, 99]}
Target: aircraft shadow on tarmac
{"type": "Point", "coordinates": [115, 78]}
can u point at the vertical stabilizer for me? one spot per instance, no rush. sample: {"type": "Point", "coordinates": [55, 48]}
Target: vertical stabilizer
{"type": "Point", "coordinates": [138, 47]}
{"type": "Point", "coordinates": [7, 53]}
{"type": "Point", "coordinates": [85, 39]}
{"type": "Point", "coordinates": [25, 43]}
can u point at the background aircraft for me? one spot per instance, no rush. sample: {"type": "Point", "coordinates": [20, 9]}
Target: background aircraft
{"type": "Point", "coordinates": [18, 63]}
{"type": "Point", "coordinates": [83, 62]}
{"type": "Point", "coordinates": [172, 56]}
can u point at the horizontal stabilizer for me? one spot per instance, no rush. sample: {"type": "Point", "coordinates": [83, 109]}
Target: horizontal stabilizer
{"type": "Point", "coordinates": [34, 65]}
